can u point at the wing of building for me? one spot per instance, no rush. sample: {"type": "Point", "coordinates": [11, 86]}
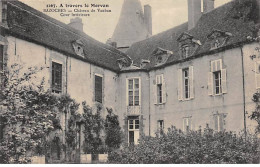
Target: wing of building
{"type": "Point", "coordinates": [200, 73]}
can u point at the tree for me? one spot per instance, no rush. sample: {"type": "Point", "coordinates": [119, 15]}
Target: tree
{"type": "Point", "coordinates": [93, 127]}
{"type": "Point", "coordinates": [27, 115]}
{"type": "Point", "coordinates": [113, 138]}
{"type": "Point", "coordinates": [256, 113]}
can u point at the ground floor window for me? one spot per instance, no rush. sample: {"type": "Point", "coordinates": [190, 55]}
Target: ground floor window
{"type": "Point", "coordinates": [133, 130]}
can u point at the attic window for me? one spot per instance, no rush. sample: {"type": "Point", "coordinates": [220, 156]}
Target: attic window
{"type": "Point", "coordinates": [218, 38]}
{"type": "Point", "coordinates": [161, 55]}
{"type": "Point", "coordinates": [159, 59]}
{"type": "Point", "coordinates": [78, 48]}
{"type": "Point", "coordinates": [187, 45]}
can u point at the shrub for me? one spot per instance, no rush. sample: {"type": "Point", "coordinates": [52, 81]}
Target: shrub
{"type": "Point", "coordinates": [192, 148]}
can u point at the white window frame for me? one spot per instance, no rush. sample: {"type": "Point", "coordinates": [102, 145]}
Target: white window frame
{"type": "Point", "coordinates": [181, 84]}
{"type": "Point", "coordinates": [187, 121]}
{"type": "Point", "coordinates": [218, 117]}
{"type": "Point", "coordinates": [184, 84]}
{"type": "Point", "coordinates": [127, 91]}
{"type": "Point", "coordinates": [219, 83]}
{"type": "Point", "coordinates": [217, 67]}
{"type": "Point", "coordinates": [159, 80]}
{"type": "Point", "coordinates": [134, 123]}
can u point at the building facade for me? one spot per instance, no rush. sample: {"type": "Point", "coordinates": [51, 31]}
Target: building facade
{"type": "Point", "coordinates": [203, 72]}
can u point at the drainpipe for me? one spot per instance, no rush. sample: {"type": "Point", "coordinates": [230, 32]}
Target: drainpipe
{"type": "Point", "coordinates": [149, 104]}
{"type": "Point", "coordinates": [244, 97]}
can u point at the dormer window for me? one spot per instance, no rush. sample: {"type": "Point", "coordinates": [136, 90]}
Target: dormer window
{"type": "Point", "coordinates": [159, 59]}
{"type": "Point", "coordinates": [78, 48]}
{"type": "Point", "coordinates": [218, 39]}
{"type": "Point", "coordinates": [187, 45]}
{"type": "Point", "coordinates": [161, 56]}
{"type": "Point", "coordinates": [122, 63]}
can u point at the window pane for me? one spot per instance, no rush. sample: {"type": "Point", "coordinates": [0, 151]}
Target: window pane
{"type": "Point", "coordinates": [130, 86]}
{"type": "Point", "coordinates": [131, 126]}
{"type": "Point", "coordinates": [137, 122]}
{"type": "Point", "coordinates": [136, 126]}
{"type": "Point", "coordinates": [131, 121]}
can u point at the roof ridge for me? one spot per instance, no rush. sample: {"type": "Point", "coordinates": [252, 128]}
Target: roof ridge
{"type": "Point", "coordinates": [64, 26]}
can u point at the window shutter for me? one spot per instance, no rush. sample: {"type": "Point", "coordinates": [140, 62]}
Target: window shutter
{"type": "Point", "coordinates": [218, 65]}
{"type": "Point", "coordinates": [224, 80]}
{"type": "Point", "coordinates": [191, 82]}
{"type": "Point", "coordinates": [155, 94]}
{"type": "Point", "coordinates": [163, 93]}
{"type": "Point", "coordinates": [257, 74]}
{"type": "Point", "coordinates": [180, 94]}
{"type": "Point", "coordinates": [210, 83]}
{"type": "Point", "coordinates": [98, 89]}
{"type": "Point", "coordinates": [212, 66]}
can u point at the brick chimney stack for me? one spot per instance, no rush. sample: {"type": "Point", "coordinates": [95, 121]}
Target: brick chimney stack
{"type": "Point", "coordinates": [76, 23]}
{"type": "Point", "coordinates": [208, 5]}
{"type": "Point", "coordinates": [194, 12]}
{"type": "Point", "coordinates": [148, 18]}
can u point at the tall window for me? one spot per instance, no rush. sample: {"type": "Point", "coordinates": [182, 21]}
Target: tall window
{"type": "Point", "coordinates": [217, 79]}
{"type": "Point", "coordinates": [98, 88]}
{"type": "Point", "coordinates": [159, 93]}
{"type": "Point", "coordinates": [160, 90]}
{"type": "Point", "coordinates": [56, 77]}
{"type": "Point", "coordinates": [160, 126]}
{"type": "Point", "coordinates": [219, 122]}
{"type": "Point", "coordinates": [187, 124]}
{"type": "Point", "coordinates": [217, 82]}
{"type": "Point", "coordinates": [185, 84]}
{"type": "Point", "coordinates": [133, 92]}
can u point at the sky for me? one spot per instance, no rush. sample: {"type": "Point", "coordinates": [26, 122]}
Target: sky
{"type": "Point", "coordinates": [165, 13]}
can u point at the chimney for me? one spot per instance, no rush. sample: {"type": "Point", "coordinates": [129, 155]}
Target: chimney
{"type": "Point", "coordinates": [194, 12]}
{"type": "Point", "coordinates": [208, 5]}
{"type": "Point", "coordinates": [148, 18]}
{"type": "Point", "coordinates": [76, 23]}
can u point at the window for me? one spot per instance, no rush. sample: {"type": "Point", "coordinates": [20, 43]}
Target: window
{"type": "Point", "coordinates": [217, 82]}
{"type": "Point", "coordinates": [160, 126]}
{"type": "Point", "coordinates": [219, 122]}
{"type": "Point", "coordinates": [159, 93]}
{"type": "Point", "coordinates": [185, 84]}
{"type": "Point", "coordinates": [185, 51]}
{"type": "Point", "coordinates": [56, 77]}
{"type": "Point", "coordinates": [98, 88]}
{"type": "Point", "coordinates": [160, 90]}
{"type": "Point", "coordinates": [133, 92]}
{"type": "Point", "coordinates": [217, 79]}
{"type": "Point", "coordinates": [133, 124]}
{"type": "Point", "coordinates": [187, 124]}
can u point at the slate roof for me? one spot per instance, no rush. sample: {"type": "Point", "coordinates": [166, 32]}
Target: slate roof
{"type": "Point", "coordinates": [32, 25]}
{"type": "Point", "coordinates": [233, 17]}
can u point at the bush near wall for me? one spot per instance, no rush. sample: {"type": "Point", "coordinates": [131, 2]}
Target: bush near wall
{"type": "Point", "coordinates": [192, 148]}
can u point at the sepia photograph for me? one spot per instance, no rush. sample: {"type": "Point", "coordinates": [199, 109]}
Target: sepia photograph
{"type": "Point", "coordinates": [129, 82]}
